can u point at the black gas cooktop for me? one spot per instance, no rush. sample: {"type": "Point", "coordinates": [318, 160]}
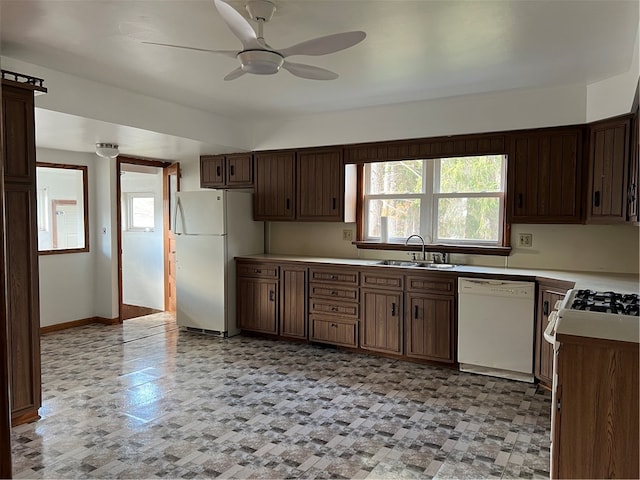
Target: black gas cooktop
{"type": "Point", "coordinates": [607, 302]}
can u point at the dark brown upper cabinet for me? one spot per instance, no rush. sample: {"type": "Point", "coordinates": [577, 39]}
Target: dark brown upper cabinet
{"type": "Point", "coordinates": [609, 163]}
{"type": "Point", "coordinates": [544, 176]}
{"type": "Point", "coordinates": [305, 185]}
{"type": "Point", "coordinates": [274, 193]}
{"type": "Point", "coordinates": [321, 186]}
{"type": "Point", "coordinates": [226, 171]}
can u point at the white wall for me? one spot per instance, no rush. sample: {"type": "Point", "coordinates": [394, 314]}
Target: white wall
{"type": "Point", "coordinates": [67, 288]}
{"type": "Point", "coordinates": [450, 116]}
{"type": "Point", "coordinates": [143, 252]}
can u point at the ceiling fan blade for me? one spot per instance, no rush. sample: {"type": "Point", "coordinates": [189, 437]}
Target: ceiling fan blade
{"type": "Point", "coordinates": [325, 45]}
{"type": "Point", "coordinates": [238, 25]}
{"type": "Point", "coordinates": [238, 72]}
{"type": "Point", "coordinates": [308, 71]}
{"type": "Point", "coordinates": [228, 53]}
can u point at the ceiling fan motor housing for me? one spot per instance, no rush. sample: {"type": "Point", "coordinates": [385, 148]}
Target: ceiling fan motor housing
{"type": "Point", "coordinates": [260, 62]}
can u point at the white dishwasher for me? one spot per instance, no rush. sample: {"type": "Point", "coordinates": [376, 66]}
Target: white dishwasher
{"type": "Point", "coordinates": [496, 327]}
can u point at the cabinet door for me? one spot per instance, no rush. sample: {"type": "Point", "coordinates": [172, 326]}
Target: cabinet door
{"type": "Point", "coordinates": [212, 171]}
{"type": "Point", "coordinates": [381, 321]}
{"type": "Point", "coordinates": [293, 303]}
{"type": "Point", "coordinates": [608, 167]}
{"type": "Point", "coordinates": [429, 327]}
{"type": "Point", "coordinates": [544, 172]}
{"type": "Point", "coordinates": [320, 185]}
{"type": "Point", "coordinates": [257, 307]}
{"type": "Point", "coordinates": [239, 170]}
{"type": "Point", "coordinates": [274, 186]}
{"type": "Point", "coordinates": [543, 361]}
{"type": "Point", "coordinates": [19, 152]}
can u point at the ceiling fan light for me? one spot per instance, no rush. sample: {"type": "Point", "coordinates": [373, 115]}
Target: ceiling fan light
{"type": "Point", "coordinates": [260, 62]}
{"type": "Point", "coordinates": [107, 150]}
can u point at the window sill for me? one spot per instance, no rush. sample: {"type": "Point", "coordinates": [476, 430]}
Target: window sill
{"type": "Point", "coordinates": [440, 248]}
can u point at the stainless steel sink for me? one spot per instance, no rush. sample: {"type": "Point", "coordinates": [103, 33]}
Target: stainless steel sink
{"type": "Point", "coordinates": [400, 263]}
{"type": "Point", "coordinates": [397, 263]}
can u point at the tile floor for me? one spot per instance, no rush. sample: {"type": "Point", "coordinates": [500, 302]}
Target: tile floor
{"type": "Point", "coordinates": [146, 400]}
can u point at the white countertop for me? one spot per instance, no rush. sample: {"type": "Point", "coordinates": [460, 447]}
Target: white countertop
{"type": "Point", "coordinates": [601, 281]}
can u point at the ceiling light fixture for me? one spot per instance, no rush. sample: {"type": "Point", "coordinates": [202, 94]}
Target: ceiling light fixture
{"type": "Point", "coordinates": [107, 150]}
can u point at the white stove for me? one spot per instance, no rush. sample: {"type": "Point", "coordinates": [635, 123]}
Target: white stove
{"type": "Point", "coordinates": [605, 315]}
{"type": "Point", "coordinates": [586, 313]}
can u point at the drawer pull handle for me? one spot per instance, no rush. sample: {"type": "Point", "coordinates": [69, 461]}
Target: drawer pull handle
{"type": "Point", "coordinates": [334, 325]}
{"type": "Point", "coordinates": [334, 293]}
{"type": "Point", "coordinates": [334, 277]}
{"type": "Point", "coordinates": [393, 309]}
{"type": "Point", "coordinates": [257, 271]}
{"type": "Point", "coordinates": [334, 309]}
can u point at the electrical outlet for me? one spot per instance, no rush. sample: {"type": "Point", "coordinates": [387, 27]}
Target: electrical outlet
{"type": "Point", "coordinates": [347, 235]}
{"type": "Point", "coordinates": [525, 240]}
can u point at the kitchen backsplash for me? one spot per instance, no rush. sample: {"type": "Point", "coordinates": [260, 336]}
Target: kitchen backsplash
{"type": "Point", "coordinates": [606, 248]}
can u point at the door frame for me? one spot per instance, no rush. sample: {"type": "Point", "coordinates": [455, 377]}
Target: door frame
{"type": "Point", "coordinates": [165, 202]}
{"type": "Point", "coordinates": [173, 169]}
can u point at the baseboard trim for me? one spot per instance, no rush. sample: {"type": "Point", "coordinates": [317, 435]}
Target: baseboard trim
{"type": "Point", "coordinates": [79, 323]}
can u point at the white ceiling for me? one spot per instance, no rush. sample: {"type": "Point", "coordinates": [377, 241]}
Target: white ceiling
{"type": "Point", "coordinates": [414, 50]}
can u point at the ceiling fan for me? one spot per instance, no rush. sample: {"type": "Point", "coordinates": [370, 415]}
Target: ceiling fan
{"type": "Point", "coordinates": [258, 57]}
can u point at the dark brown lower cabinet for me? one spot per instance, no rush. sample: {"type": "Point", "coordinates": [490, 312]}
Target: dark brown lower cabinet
{"type": "Point", "coordinates": [257, 304]}
{"type": "Point", "coordinates": [334, 330]}
{"type": "Point", "coordinates": [596, 427]}
{"type": "Point", "coordinates": [549, 292]}
{"type": "Point", "coordinates": [429, 327]}
{"type": "Point", "coordinates": [381, 321]}
{"type": "Point", "coordinates": [293, 304]}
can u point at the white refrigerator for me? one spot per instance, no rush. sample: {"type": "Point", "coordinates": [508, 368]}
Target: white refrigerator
{"type": "Point", "coordinates": [212, 227]}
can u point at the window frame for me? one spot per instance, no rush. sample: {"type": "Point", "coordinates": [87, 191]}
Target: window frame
{"type": "Point", "coordinates": [84, 169]}
{"type": "Point", "coordinates": [428, 216]}
{"type": "Point", "coordinates": [130, 196]}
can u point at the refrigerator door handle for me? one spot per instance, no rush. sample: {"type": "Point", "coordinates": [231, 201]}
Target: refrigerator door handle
{"type": "Point", "coordinates": [176, 210]}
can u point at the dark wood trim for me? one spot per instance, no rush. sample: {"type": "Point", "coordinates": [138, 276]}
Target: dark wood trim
{"type": "Point", "coordinates": [85, 209]}
{"type": "Point", "coordinates": [143, 161]}
{"type": "Point", "coordinates": [108, 321]}
{"type": "Point", "coordinates": [598, 342]}
{"type": "Point", "coordinates": [24, 85]}
{"type": "Point", "coordinates": [5, 410]}
{"type": "Point", "coordinates": [470, 250]}
{"type": "Point", "coordinates": [27, 417]}
{"type": "Point", "coordinates": [119, 161]}
{"type": "Point", "coordinates": [66, 325]}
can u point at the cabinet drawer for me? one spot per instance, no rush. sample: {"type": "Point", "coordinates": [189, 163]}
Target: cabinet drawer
{"type": "Point", "coordinates": [263, 270]}
{"type": "Point", "coordinates": [431, 284]}
{"type": "Point", "coordinates": [334, 331]}
{"type": "Point", "coordinates": [332, 307]}
{"type": "Point", "coordinates": [322, 290]}
{"type": "Point", "coordinates": [388, 281]}
{"type": "Point", "coordinates": [336, 276]}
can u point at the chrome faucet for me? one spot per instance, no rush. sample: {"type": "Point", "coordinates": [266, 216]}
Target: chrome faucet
{"type": "Point", "coordinates": [424, 258]}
